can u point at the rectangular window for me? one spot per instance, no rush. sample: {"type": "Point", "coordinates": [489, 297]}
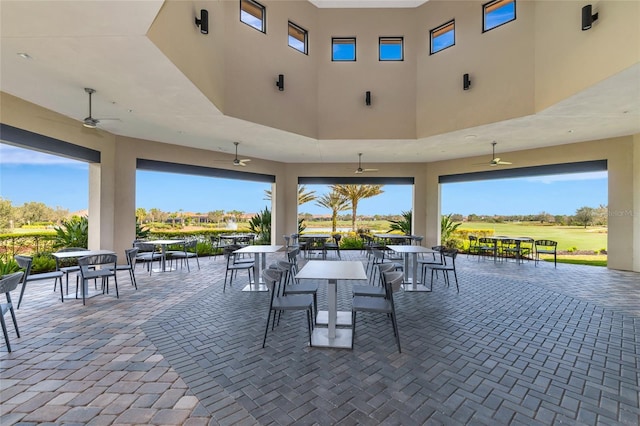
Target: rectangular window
{"type": "Point", "coordinates": [497, 12]}
{"type": "Point", "coordinates": [442, 37]}
{"type": "Point", "coordinates": [343, 49]}
{"type": "Point", "coordinates": [253, 14]}
{"type": "Point", "coordinates": [391, 48]}
{"type": "Point", "coordinates": [298, 38]}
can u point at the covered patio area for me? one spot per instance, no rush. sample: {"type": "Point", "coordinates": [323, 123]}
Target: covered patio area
{"type": "Point", "coordinates": [518, 345]}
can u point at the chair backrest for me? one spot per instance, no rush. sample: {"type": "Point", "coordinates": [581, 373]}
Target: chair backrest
{"type": "Point", "coordinates": [377, 254]}
{"type": "Point", "coordinates": [485, 240]}
{"type": "Point", "coordinates": [547, 243]}
{"type": "Point", "coordinates": [85, 262]}
{"type": "Point", "coordinates": [10, 282]}
{"type": "Point", "coordinates": [130, 255]}
{"type": "Point", "coordinates": [144, 247]}
{"type": "Point", "coordinates": [271, 279]}
{"type": "Point", "coordinates": [393, 282]}
{"type": "Point", "coordinates": [450, 254]}
{"type": "Point", "coordinates": [473, 238]}
{"type": "Point", "coordinates": [337, 238]}
{"type": "Point", "coordinates": [25, 263]}
{"type": "Point", "coordinates": [191, 244]}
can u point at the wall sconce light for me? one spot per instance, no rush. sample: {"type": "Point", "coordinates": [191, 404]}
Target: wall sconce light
{"type": "Point", "coordinates": [367, 98]}
{"type": "Point", "coordinates": [587, 17]}
{"type": "Point", "coordinates": [203, 22]}
{"type": "Point", "coordinates": [466, 82]}
{"type": "Point", "coordinates": [280, 82]}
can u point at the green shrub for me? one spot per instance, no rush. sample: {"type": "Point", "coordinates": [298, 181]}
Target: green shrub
{"type": "Point", "coordinates": [572, 249]}
{"type": "Point", "coordinates": [43, 263]}
{"type": "Point", "coordinates": [350, 243]}
{"type": "Point", "coordinates": [73, 233]}
{"type": "Point", "coordinates": [8, 267]}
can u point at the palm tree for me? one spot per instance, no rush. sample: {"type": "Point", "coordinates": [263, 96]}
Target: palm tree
{"type": "Point", "coordinates": [304, 196]}
{"type": "Point", "coordinates": [355, 193]}
{"type": "Point", "coordinates": [336, 202]}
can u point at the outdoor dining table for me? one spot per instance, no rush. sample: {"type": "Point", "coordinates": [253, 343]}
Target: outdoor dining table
{"type": "Point", "coordinates": [332, 271]}
{"type": "Point", "coordinates": [411, 274]}
{"type": "Point", "coordinates": [260, 252]}
{"type": "Point", "coordinates": [518, 240]}
{"type": "Point", "coordinates": [310, 238]}
{"type": "Point", "coordinates": [163, 246]}
{"type": "Point", "coordinates": [80, 253]}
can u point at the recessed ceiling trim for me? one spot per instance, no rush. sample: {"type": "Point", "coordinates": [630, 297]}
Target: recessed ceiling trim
{"type": "Point", "coordinates": [377, 4]}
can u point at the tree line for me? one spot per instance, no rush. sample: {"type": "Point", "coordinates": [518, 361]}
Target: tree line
{"type": "Point", "coordinates": [30, 213]}
{"type": "Point", "coordinates": [584, 216]}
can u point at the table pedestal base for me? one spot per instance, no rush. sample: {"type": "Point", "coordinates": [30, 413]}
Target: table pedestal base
{"type": "Point", "coordinates": [320, 338]}
{"type": "Point", "coordinates": [255, 287]}
{"type": "Point", "coordinates": [417, 288]}
{"type": "Point", "coordinates": [343, 318]}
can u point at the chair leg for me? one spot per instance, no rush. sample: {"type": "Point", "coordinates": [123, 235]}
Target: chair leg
{"type": "Point", "coordinates": [61, 290]}
{"type": "Point", "coordinates": [133, 278]}
{"type": "Point", "coordinates": [115, 283]}
{"type": "Point", "coordinates": [396, 331]}
{"type": "Point", "coordinates": [309, 315]}
{"type": "Point", "coordinates": [4, 331]}
{"type": "Point", "coordinates": [266, 330]}
{"type": "Point", "coordinates": [353, 328]}
{"type": "Point", "coordinates": [13, 315]}
{"type": "Point", "coordinates": [24, 285]}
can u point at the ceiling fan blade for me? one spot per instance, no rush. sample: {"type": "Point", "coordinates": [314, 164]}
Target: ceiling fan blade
{"type": "Point", "coordinates": [244, 160]}
{"type": "Point", "coordinates": [503, 162]}
{"type": "Point", "coordinates": [370, 170]}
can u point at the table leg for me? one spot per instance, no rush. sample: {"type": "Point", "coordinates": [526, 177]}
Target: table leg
{"type": "Point", "coordinates": [414, 271]}
{"type": "Point", "coordinates": [332, 337]}
{"type": "Point", "coordinates": [258, 284]}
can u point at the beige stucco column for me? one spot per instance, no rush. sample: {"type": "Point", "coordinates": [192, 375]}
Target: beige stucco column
{"type": "Point", "coordinates": [636, 203]}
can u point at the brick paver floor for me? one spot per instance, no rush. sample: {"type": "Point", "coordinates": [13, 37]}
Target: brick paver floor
{"type": "Point", "coordinates": [518, 345]}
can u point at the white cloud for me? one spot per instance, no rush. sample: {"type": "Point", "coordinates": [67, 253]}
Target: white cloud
{"type": "Point", "coordinates": [569, 177]}
{"type": "Point", "coordinates": [14, 155]}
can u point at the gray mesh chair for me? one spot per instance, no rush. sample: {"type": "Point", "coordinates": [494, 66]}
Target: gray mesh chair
{"type": "Point", "coordinates": [279, 303]}
{"type": "Point", "coordinates": [233, 266]}
{"type": "Point", "coordinates": [8, 283]}
{"type": "Point", "coordinates": [189, 251]}
{"type": "Point", "coordinates": [25, 263]}
{"type": "Point", "coordinates": [449, 265]}
{"type": "Point", "coordinates": [392, 283]}
{"type": "Point", "coordinates": [99, 266]}
{"type": "Point", "coordinates": [130, 267]}
{"type": "Point", "coordinates": [374, 290]}
{"type": "Point", "coordinates": [71, 269]}
{"type": "Point", "coordinates": [546, 247]}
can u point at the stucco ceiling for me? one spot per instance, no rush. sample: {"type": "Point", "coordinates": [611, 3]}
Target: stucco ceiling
{"type": "Point", "coordinates": [103, 45]}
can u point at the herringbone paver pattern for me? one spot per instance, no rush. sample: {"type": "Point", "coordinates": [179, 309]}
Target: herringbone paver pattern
{"type": "Point", "coordinates": [518, 345]}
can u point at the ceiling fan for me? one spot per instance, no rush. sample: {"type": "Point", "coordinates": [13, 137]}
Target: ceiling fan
{"type": "Point", "coordinates": [90, 121]}
{"type": "Point", "coordinates": [495, 161]}
{"type": "Point", "coordinates": [360, 169]}
{"type": "Point", "coordinates": [237, 162]}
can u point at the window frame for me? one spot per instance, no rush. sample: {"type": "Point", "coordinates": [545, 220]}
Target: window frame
{"type": "Point", "coordinates": [391, 38]}
{"type": "Point", "coordinates": [263, 18]}
{"type": "Point", "coordinates": [442, 27]}
{"type": "Point", "coordinates": [355, 50]}
{"type": "Point", "coordinates": [487, 5]}
{"type": "Point", "coordinates": [305, 42]}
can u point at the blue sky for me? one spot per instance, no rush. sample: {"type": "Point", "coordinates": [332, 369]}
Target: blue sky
{"type": "Point", "coordinates": [58, 182]}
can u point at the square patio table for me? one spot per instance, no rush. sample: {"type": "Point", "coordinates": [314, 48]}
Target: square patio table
{"type": "Point", "coordinates": [411, 275]}
{"type": "Point", "coordinates": [163, 246]}
{"type": "Point", "coordinates": [258, 265]}
{"type": "Point", "coordinates": [332, 271]}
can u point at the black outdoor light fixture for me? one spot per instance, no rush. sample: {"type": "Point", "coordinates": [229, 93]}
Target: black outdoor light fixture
{"type": "Point", "coordinates": [203, 22]}
{"type": "Point", "coordinates": [367, 98]}
{"type": "Point", "coordinates": [466, 82]}
{"type": "Point", "coordinates": [280, 82]}
{"type": "Point", "coordinates": [588, 17]}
